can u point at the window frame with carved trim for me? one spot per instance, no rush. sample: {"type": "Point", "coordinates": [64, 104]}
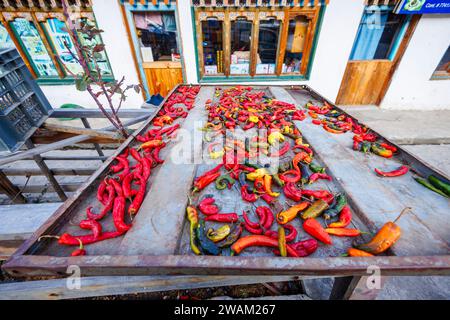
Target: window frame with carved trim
{"type": "Point", "coordinates": [38, 19]}
{"type": "Point", "coordinates": [226, 15]}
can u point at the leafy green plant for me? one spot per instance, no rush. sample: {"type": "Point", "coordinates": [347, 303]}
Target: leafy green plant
{"type": "Point", "coordinates": [87, 52]}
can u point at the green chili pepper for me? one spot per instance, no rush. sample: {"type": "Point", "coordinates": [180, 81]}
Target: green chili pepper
{"type": "Point", "coordinates": [206, 244]}
{"type": "Point", "coordinates": [340, 203]}
{"type": "Point", "coordinates": [223, 181]}
{"type": "Point", "coordinates": [315, 209]}
{"type": "Point", "coordinates": [441, 185]}
{"type": "Point", "coordinates": [430, 186]}
{"type": "Point", "coordinates": [277, 180]}
{"type": "Point", "coordinates": [365, 146]}
{"type": "Point", "coordinates": [252, 165]}
{"type": "Point", "coordinates": [316, 168]}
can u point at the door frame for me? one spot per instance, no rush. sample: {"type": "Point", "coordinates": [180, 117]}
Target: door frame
{"type": "Point", "coordinates": [127, 12]}
{"type": "Point", "coordinates": [400, 50]}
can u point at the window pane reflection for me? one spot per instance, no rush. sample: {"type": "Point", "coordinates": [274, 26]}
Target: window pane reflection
{"type": "Point", "coordinates": [240, 46]}
{"type": "Point", "coordinates": [269, 31]}
{"type": "Point", "coordinates": [212, 43]}
{"type": "Point", "coordinates": [295, 44]}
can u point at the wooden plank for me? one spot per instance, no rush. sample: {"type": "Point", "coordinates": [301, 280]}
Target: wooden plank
{"type": "Point", "coordinates": [19, 222]}
{"type": "Point", "coordinates": [39, 188]}
{"type": "Point", "coordinates": [106, 286]}
{"type": "Point", "coordinates": [378, 202]}
{"type": "Point", "coordinates": [28, 265]}
{"type": "Point", "coordinates": [61, 144]}
{"type": "Point", "coordinates": [7, 187]}
{"type": "Point", "coordinates": [83, 131]}
{"type": "Point", "coordinates": [95, 113]}
{"type": "Point", "coordinates": [153, 231]}
{"type": "Point", "coordinates": [42, 136]}
{"type": "Point", "coordinates": [363, 81]}
{"type": "Point", "coordinates": [56, 171]}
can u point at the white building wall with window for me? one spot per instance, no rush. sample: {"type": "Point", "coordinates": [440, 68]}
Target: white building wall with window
{"type": "Point", "coordinates": [109, 19]}
{"type": "Point", "coordinates": [411, 86]}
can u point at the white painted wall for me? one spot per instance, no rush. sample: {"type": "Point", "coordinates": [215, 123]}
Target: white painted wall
{"type": "Point", "coordinates": [411, 87]}
{"type": "Point", "coordinates": [339, 27]}
{"type": "Point", "coordinates": [109, 18]}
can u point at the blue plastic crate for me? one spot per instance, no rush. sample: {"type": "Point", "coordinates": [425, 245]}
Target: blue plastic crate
{"type": "Point", "coordinates": [23, 106]}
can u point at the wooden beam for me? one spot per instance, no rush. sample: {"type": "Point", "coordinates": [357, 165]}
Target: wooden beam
{"type": "Point", "coordinates": [83, 131]}
{"type": "Point", "coordinates": [56, 171]}
{"type": "Point", "coordinates": [10, 190]}
{"type": "Point", "coordinates": [61, 144]}
{"type": "Point", "coordinates": [56, 289]}
{"type": "Point", "coordinates": [95, 113]}
{"type": "Point", "coordinates": [46, 171]}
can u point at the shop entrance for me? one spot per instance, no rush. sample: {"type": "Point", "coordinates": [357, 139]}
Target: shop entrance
{"type": "Point", "coordinates": [155, 37]}
{"type": "Point", "coordinates": [379, 45]}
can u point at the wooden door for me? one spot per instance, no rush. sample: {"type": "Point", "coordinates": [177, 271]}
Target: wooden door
{"type": "Point", "coordinates": [366, 81]}
{"type": "Point", "coordinates": [363, 81]}
{"type": "Point", "coordinates": [162, 76]}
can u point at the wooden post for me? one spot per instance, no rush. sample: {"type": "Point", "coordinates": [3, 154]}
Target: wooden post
{"type": "Point", "coordinates": [11, 190]}
{"type": "Point", "coordinates": [355, 288]}
{"type": "Point", "coordinates": [46, 171]}
{"type": "Point", "coordinates": [96, 145]}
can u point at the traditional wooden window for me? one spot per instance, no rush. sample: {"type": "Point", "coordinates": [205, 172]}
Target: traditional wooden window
{"type": "Point", "coordinates": [255, 38]}
{"type": "Point", "coordinates": [38, 30]}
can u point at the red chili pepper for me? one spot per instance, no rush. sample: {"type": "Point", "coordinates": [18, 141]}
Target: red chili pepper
{"type": "Point", "coordinates": [117, 187]}
{"type": "Point", "coordinates": [119, 214]}
{"type": "Point", "coordinates": [290, 191]}
{"type": "Point", "coordinates": [388, 146]}
{"type": "Point", "coordinates": [135, 154]}
{"type": "Point", "coordinates": [101, 192]}
{"type": "Point", "coordinates": [126, 186]}
{"type": "Point", "coordinates": [78, 253]}
{"type": "Point", "coordinates": [146, 168]}
{"type": "Point", "coordinates": [137, 201]}
{"type": "Point", "coordinates": [345, 217]}
{"type": "Point", "coordinates": [394, 173]}
{"type": "Point", "coordinates": [71, 240]}
{"type": "Point", "coordinates": [291, 176]}
{"type": "Point", "coordinates": [266, 217]}
{"type": "Point", "coordinates": [317, 122]}
{"type": "Point", "coordinates": [253, 230]}
{"type": "Point", "coordinates": [249, 197]}
{"type": "Point", "coordinates": [292, 233]}
{"type": "Point", "coordinates": [267, 198]}
{"type": "Point", "coordinates": [205, 180]}
{"type": "Point", "coordinates": [92, 225]}
{"type": "Point", "coordinates": [305, 248]}
{"type": "Point", "coordinates": [282, 151]}
{"type": "Point", "coordinates": [316, 176]}
{"type": "Point", "coordinates": [208, 207]}
{"type": "Point", "coordinates": [126, 167]}
{"type": "Point", "coordinates": [108, 206]}
{"type": "Point", "coordinates": [315, 229]}
{"type": "Point", "coordinates": [223, 217]}
{"type": "Point", "coordinates": [155, 154]}
{"type": "Point", "coordinates": [249, 222]}
{"type": "Point", "coordinates": [304, 148]}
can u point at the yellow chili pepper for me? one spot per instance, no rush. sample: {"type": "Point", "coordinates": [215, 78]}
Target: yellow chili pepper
{"type": "Point", "coordinates": [275, 136]}
{"type": "Point", "coordinates": [282, 242]}
{"type": "Point", "coordinates": [268, 186]}
{"type": "Point", "coordinates": [258, 173]}
{"type": "Point", "coordinates": [219, 234]}
{"type": "Point", "coordinates": [253, 119]}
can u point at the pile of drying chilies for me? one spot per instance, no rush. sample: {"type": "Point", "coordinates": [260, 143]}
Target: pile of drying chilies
{"type": "Point", "coordinates": [125, 187]}
{"type": "Point", "coordinates": [241, 107]}
{"type": "Point", "coordinates": [365, 141]}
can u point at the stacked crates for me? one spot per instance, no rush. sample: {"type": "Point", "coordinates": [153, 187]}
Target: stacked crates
{"type": "Point", "coordinates": [23, 106]}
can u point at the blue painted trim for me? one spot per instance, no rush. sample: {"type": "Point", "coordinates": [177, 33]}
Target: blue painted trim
{"type": "Point", "coordinates": [399, 39]}
{"type": "Point", "coordinates": [137, 7]}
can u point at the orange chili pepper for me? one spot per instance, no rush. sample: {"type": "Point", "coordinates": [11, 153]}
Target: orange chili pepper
{"type": "Point", "coordinates": [352, 252]}
{"type": "Point", "coordinates": [290, 214]}
{"type": "Point", "coordinates": [343, 232]}
{"type": "Point", "coordinates": [268, 186]}
{"type": "Point", "coordinates": [150, 144]}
